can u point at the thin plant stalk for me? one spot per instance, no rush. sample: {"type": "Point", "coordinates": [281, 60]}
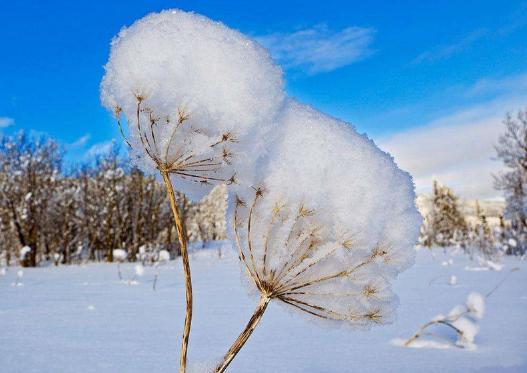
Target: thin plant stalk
{"type": "Point", "coordinates": [182, 236]}
{"type": "Point", "coordinates": [186, 166]}
{"type": "Point", "coordinates": [287, 282]}
{"type": "Point", "coordinates": [244, 336]}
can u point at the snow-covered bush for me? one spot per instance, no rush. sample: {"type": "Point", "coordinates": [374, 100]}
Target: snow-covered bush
{"type": "Point", "coordinates": [329, 223]}
{"type": "Point", "coordinates": [120, 255]}
{"type": "Point", "coordinates": [461, 319]}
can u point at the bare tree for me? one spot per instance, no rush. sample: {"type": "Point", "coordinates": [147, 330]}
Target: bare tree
{"type": "Point", "coordinates": [29, 172]}
{"type": "Point", "coordinates": [511, 149]}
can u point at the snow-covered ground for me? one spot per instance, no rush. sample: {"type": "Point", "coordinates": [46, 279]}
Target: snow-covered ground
{"type": "Point", "coordinates": [83, 319]}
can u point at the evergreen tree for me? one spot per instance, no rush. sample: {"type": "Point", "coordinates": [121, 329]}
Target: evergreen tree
{"type": "Point", "coordinates": [444, 224]}
{"type": "Point", "coordinates": [483, 237]}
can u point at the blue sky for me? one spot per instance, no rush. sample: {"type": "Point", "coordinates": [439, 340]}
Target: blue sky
{"type": "Point", "coordinates": [429, 82]}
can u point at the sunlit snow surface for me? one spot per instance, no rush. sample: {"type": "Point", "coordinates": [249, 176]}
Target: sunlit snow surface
{"type": "Point", "coordinates": [83, 319]}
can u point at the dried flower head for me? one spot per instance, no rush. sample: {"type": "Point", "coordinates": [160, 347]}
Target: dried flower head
{"type": "Point", "coordinates": [198, 97]}
{"type": "Point", "coordinates": [290, 257]}
{"type": "Point", "coordinates": [175, 147]}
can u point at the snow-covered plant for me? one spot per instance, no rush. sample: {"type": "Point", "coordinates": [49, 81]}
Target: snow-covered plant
{"type": "Point", "coordinates": [119, 255]}
{"type": "Point", "coordinates": [330, 222]}
{"type": "Point", "coordinates": [461, 319]}
{"type": "Point", "coordinates": [198, 98]}
{"type": "Point", "coordinates": [18, 279]}
{"type": "Point", "coordinates": [444, 224]}
{"type": "Point", "coordinates": [511, 149]}
{"type": "Point", "coordinates": [25, 251]}
{"type": "Point", "coordinates": [162, 258]}
{"type": "Point", "coordinates": [139, 271]}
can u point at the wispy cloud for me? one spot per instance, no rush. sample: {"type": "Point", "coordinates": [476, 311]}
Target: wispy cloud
{"type": "Point", "coordinates": [444, 51]}
{"type": "Point", "coordinates": [99, 149]}
{"type": "Point", "coordinates": [6, 122]}
{"type": "Point", "coordinates": [458, 149]}
{"type": "Point", "coordinates": [320, 49]}
{"type": "Point", "coordinates": [80, 142]}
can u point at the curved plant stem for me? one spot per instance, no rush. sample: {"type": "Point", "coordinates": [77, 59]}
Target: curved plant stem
{"type": "Point", "coordinates": [182, 235]}
{"type": "Point", "coordinates": [244, 336]}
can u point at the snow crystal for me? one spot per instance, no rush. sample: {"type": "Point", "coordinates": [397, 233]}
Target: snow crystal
{"type": "Point", "coordinates": [453, 280]}
{"type": "Point", "coordinates": [20, 273]}
{"type": "Point", "coordinates": [3, 271]}
{"type": "Point", "coordinates": [476, 304]}
{"type": "Point", "coordinates": [179, 62]}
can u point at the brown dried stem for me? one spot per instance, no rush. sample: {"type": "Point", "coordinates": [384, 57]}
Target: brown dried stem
{"type": "Point", "coordinates": [302, 240]}
{"type": "Point", "coordinates": [245, 334]}
{"type": "Point", "coordinates": [182, 235]}
{"type": "Point", "coordinates": [186, 166]}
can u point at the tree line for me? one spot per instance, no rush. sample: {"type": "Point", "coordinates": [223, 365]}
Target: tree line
{"type": "Point", "coordinates": [47, 214]}
{"type": "Point", "coordinates": [444, 225]}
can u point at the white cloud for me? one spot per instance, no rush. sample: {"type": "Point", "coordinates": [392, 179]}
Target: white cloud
{"type": "Point", "coordinates": [80, 142]}
{"type": "Point", "coordinates": [99, 149]}
{"type": "Point", "coordinates": [6, 122]}
{"type": "Point", "coordinates": [319, 49]}
{"type": "Point", "coordinates": [445, 51]}
{"type": "Point", "coordinates": [458, 149]}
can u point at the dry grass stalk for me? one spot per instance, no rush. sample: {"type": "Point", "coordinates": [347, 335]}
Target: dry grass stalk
{"type": "Point", "coordinates": [292, 268]}
{"type": "Point", "coordinates": [471, 309]}
{"type": "Point", "coordinates": [178, 160]}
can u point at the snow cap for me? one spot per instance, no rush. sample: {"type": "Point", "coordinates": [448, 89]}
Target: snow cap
{"type": "Point", "coordinates": [185, 65]}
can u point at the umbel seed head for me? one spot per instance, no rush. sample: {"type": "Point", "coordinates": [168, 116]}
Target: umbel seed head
{"type": "Point", "coordinates": [290, 258]}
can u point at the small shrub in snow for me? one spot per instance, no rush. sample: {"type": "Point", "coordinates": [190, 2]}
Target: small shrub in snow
{"type": "Point", "coordinates": [458, 319]}
{"type": "Point", "coordinates": [465, 328]}
{"type": "Point", "coordinates": [164, 256]}
{"type": "Point", "coordinates": [119, 255]}
{"type": "Point", "coordinates": [476, 305]}
{"type": "Point", "coordinates": [24, 251]}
